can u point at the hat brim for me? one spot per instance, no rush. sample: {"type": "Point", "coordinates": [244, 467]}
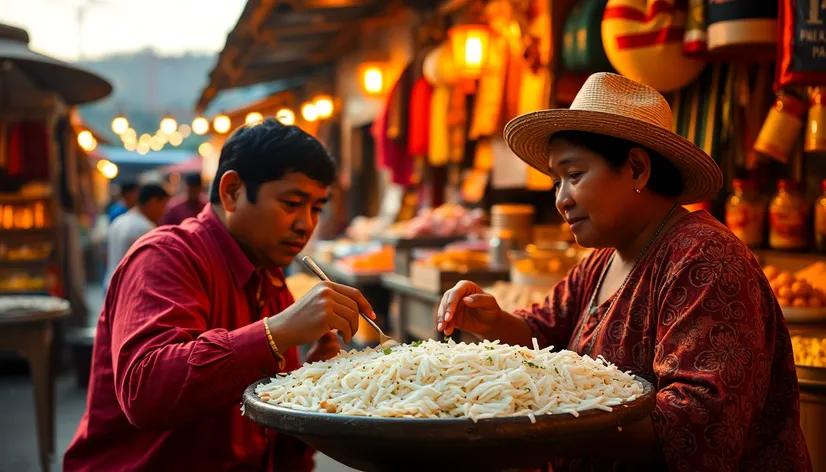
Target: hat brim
{"type": "Point", "coordinates": [529, 138]}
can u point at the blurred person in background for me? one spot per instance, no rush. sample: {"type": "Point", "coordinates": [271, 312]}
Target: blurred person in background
{"type": "Point", "coordinates": [197, 312]}
{"type": "Point", "coordinates": [128, 199]}
{"type": "Point", "coordinates": [187, 205]}
{"type": "Point", "coordinates": [141, 219]}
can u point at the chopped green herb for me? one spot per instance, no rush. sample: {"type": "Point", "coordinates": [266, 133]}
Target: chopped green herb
{"type": "Point", "coordinates": [416, 343]}
{"type": "Point", "coordinates": [490, 359]}
{"type": "Point", "coordinates": [447, 338]}
{"type": "Point", "coordinates": [556, 370]}
{"type": "Point", "coordinates": [528, 389]}
{"type": "Point", "coordinates": [387, 351]}
{"type": "Point", "coordinates": [489, 348]}
{"type": "Point", "coordinates": [531, 364]}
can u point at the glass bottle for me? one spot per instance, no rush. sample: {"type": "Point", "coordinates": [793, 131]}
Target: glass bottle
{"type": "Point", "coordinates": [788, 218]}
{"type": "Point", "coordinates": [746, 213]}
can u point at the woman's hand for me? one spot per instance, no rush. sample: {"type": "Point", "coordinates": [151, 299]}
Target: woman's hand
{"type": "Point", "coordinates": [467, 307]}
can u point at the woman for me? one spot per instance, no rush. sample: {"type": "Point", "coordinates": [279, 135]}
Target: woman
{"type": "Point", "coordinates": [672, 296]}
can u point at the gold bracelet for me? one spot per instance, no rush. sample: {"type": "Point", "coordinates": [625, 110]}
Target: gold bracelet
{"type": "Point", "coordinates": [273, 346]}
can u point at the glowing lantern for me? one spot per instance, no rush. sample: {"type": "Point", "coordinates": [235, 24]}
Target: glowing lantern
{"type": "Point", "coordinates": [372, 79]}
{"type": "Point", "coordinates": [86, 141]}
{"type": "Point", "coordinates": [253, 117]}
{"type": "Point", "coordinates": [324, 106]}
{"type": "Point", "coordinates": [221, 124]}
{"type": "Point", "coordinates": [119, 125]}
{"type": "Point", "coordinates": [200, 125]}
{"type": "Point", "coordinates": [285, 116]}
{"type": "Point", "coordinates": [205, 149]}
{"type": "Point", "coordinates": [169, 125]}
{"type": "Point", "coordinates": [470, 45]}
{"type": "Point", "coordinates": [309, 112]}
{"type": "Point", "coordinates": [107, 168]}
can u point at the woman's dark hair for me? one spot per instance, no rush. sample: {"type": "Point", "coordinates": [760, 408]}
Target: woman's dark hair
{"type": "Point", "coordinates": [665, 178]}
{"type": "Point", "coordinates": [266, 151]}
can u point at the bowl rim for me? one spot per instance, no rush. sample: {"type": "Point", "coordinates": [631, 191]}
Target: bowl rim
{"type": "Point", "coordinates": [299, 422]}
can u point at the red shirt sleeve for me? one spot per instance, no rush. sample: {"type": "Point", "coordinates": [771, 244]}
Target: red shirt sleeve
{"type": "Point", "coordinates": [713, 356]}
{"type": "Point", "coordinates": [552, 322]}
{"type": "Point", "coordinates": [169, 367]}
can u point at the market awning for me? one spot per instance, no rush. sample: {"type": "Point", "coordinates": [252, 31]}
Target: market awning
{"type": "Point", "coordinates": [276, 40]}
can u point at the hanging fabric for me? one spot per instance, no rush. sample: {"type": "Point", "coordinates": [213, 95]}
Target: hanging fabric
{"type": "Point", "coordinates": [418, 127]}
{"type": "Point", "coordinates": [439, 144]}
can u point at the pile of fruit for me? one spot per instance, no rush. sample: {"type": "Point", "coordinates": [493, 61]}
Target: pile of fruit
{"type": "Point", "coordinates": [809, 352]}
{"type": "Point", "coordinates": [793, 291]}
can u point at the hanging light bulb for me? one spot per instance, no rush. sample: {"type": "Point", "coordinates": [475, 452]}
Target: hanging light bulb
{"type": "Point", "coordinates": [169, 125]}
{"type": "Point", "coordinates": [175, 139]}
{"type": "Point", "coordinates": [309, 112]}
{"type": "Point", "coordinates": [205, 149]}
{"type": "Point", "coordinates": [200, 125]}
{"type": "Point", "coordinates": [285, 116]}
{"type": "Point", "coordinates": [372, 79]}
{"type": "Point", "coordinates": [119, 125]}
{"type": "Point", "coordinates": [221, 123]}
{"type": "Point", "coordinates": [253, 117]}
{"type": "Point", "coordinates": [324, 106]}
{"type": "Point", "coordinates": [86, 141]}
{"type": "Point", "coordinates": [107, 168]}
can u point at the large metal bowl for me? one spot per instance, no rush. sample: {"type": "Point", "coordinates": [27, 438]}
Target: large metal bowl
{"type": "Point", "coordinates": [397, 444]}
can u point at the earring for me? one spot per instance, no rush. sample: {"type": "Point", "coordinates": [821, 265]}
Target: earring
{"type": "Point", "coordinates": [637, 190]}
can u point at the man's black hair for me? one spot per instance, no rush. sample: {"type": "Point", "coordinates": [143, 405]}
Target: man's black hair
{"type": "Point", "coordinates": [266, 151]}
{"type": "Point", "coordinates": [665, 178]}
{"type": "Point", "coordinates": [149, 191]}
{"type": "Point", "coordinates": [193, 180]}
{"type": "Point", "coordinates": [127, 187]}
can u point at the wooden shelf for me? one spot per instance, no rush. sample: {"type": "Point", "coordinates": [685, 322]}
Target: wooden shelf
{"type": "Point", "coordinates": [31, 263]}
{"type": "Point", "coordinates": [27, 232]}
{"type": "Point", "coordinates": [13, 199]}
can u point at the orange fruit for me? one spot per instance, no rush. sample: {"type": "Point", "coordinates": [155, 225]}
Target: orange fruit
{"type": "Point", "coordinates": [815, 302]}
{"type": "Point", "coordinates": [785, 279]}
{"type": "Point", "coordinates": [784, 302]}
{"type": "Point", "coordinates": [771, 272]}
{"type": "Point", "coordinates": [801, 289]}
{"type": "Point", "coordinates": [785, 292]}
{"type": "Point", "coordinates": [800, 303]}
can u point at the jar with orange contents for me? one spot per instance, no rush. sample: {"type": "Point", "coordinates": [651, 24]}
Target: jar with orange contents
{"type": "Point", "coordinates": [789, 218]}
{"type": "Point", "coordinates": [746, 213]}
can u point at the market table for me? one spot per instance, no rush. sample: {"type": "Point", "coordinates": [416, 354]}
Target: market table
{"type": "Point", "coordinates": [29, 331]}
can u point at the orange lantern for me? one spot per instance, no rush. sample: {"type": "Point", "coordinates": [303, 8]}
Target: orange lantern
{"type": "Point", "coordinates": [471, 46]}
{"type": "Point", "coordinates": [372, 78]}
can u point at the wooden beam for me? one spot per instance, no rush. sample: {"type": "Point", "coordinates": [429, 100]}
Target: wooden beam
{"type": "Point", "coordinates": [303, 30]}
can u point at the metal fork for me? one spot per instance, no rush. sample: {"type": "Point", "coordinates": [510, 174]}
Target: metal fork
{"type": "Point", "coordinates": [384, 340]}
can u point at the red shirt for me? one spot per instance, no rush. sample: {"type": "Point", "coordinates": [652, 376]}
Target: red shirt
{"type": "Point", "coordinates": [698, 320]}
{"type": "Point", "coordinates": [178, 340]}
{"type": "Point", "coordinates": [181, 208]}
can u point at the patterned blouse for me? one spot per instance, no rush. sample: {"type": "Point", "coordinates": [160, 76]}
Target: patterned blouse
{"type": "Point", "coordinates": [698, 320]}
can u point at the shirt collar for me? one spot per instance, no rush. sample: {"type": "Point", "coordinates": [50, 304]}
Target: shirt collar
{"type": "Point", "coordinates": [239, 264]}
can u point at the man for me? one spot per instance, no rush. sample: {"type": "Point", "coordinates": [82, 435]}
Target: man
{"type": "Point", "coordinates": [187, 205]}
{"type": "Point", "coordinates": [141, 219]}
{"type": "Point", "coordinates": [185, 323]}
{"type": "Point", "coordinates": [128, 200]}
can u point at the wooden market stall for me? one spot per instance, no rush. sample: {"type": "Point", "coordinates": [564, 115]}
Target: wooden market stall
{"type": "Point", "coordinates": [41, 193]}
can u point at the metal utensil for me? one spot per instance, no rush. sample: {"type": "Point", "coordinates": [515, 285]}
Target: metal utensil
{"type": "Point", "coordinates": [384, 340]}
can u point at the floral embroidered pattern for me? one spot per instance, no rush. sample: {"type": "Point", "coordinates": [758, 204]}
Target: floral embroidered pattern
{"type": "Point", "coordinates": [700, 321]}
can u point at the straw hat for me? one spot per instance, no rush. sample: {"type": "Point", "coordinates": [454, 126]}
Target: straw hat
{"type": "Point", "coordinates": [613, 105]}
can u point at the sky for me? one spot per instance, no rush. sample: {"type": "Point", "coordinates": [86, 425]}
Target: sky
{"type": "Point", "coordinates": [171, 27]}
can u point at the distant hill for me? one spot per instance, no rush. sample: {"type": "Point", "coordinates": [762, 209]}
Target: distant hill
{"type": "Point", "coordinates": [148, 86]}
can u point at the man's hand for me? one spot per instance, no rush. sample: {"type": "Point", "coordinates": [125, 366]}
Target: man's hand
{"type": "Point", "coordinates": [325, 348]}
{"type": "Point", "coordinates": [327, 306]}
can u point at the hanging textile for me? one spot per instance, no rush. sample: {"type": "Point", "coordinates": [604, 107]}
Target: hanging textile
{"type": "Point", "coordinates": [418, 124]}
{"type": "Point", "coordinates": [439, 144]}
